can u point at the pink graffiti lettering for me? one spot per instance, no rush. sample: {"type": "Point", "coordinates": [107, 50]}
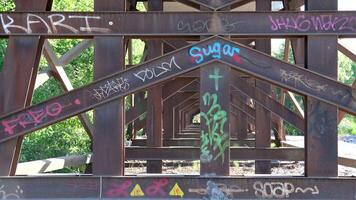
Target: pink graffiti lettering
{"type": "Point", "coordinates": [119, 190]}
{"type": "Point", "coordinates": [157, 188]}
{"type": "Point", "coordinates": [32, 117]}
{"type": "Point", "coordinates": [321, 23]}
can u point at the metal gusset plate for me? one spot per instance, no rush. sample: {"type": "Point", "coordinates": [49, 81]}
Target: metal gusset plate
{"type": "Point", "coordinates": [214, 49]}
{"type": "Point", "coordinates": [215, 4]}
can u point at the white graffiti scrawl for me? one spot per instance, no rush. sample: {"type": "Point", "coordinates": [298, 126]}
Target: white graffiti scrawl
{"type": "Point", "coordinates": [109, 88]}
{"type": "Point", "coordinates": [10, 195]}
{"type": "Point", "coordinates": [156, 71]}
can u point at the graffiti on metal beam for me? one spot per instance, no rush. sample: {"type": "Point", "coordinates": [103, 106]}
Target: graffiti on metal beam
{"type": "Point", "coordinates": [35, 117]}
{"type": "Point", "coordinates": [156, 188]}
{"type": "Point", "coordinates": [52, 23]}
{"type": "Point", "coordinates": [305, 23]}
{"type": "Point", "coordinates": [16, 194]}
{"type": "Point", "coordinates": [280, 190]}
{"type": "Point", "coordinates": [228, 191]}
{"type": "Point", "coordinates": [117, 85]}
{"type": "Point", "coordinates": [301, 79]}
{"type": "Point", "coordinates": [156, 71]}
{"type": "Point", "coordinates": [119, 190]}
{"type": "Point", "coordinates": [216, 78]}
{"type": "Point", "coordinates": [215, 50]}
{"type": "Point", "coordinates": [86, 185]}
{"type": "Point", "coordinates": [212, 25]}
{"type": "Point", "coordinates": [213, 137]}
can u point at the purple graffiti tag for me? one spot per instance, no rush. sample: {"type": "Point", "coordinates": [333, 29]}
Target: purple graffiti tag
{"type": "Point", "coordinates": [157, 188]}
{"type": "Point", "coordinates": [119, 190]}
{"type": "Point", "coordinates": [319, 23]}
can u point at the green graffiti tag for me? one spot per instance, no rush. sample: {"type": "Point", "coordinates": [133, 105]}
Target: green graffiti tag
{"type": "Point", "coordinates": [214, 137]}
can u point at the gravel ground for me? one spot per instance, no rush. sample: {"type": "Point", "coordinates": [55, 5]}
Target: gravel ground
{"type": "Point", "coordinates": [236, 168]}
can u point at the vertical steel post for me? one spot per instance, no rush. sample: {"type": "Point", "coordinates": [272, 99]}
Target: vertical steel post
{"type": "Point", "coordinates": [214, 120]}
{"type": "Point", "coordinates": [108, 143]}
{"type": "Point", "coordinates": [321, 137]}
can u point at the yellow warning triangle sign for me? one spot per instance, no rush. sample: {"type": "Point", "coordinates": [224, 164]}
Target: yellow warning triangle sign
{"type": "Point", "coordinates": [137, 191]}
{"type": "Point", "coordinates": [176, 191]}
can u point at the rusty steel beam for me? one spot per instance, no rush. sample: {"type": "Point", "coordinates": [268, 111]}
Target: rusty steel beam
{"type": "Point", "coordinates": [263, 125]}
{"type": "Point", "coordinates": [168, 112]}
{"type": "Point", "coordinates": [108, 135]}
{"type": "Point", "coordinates": [169, 187]}
{"type": "Point", "coordinates": [215, 5]}
{"type": "Point", "coordinates": [321, 139]}
{"type": "Point", "coordinates": [174, 64]}
{"type": "Point", "coordinates": [154, 114]}
{"type": "Point", "coordinates": [214, 119]}
{"type": "Point", "coordinates": [193, 153]}
{"type": "Point", "coordinates": [17, 81]}
{"type": "Point", "coordinates": [193, 142]}
{"type": "Point", "coordinates": [270, 103]}
{"type": "Point", "coordinates": [172, 87]}
{"type": "Point", "coordinates": [87, 24]}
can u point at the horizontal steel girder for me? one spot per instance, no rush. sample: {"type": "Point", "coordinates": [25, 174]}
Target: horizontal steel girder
{"type": "Point", "coordinates": [168, 187]}
{"type": "Point", "coordinates": [213, 49]}
{"type": "Point", "coordinates": [76, 24]}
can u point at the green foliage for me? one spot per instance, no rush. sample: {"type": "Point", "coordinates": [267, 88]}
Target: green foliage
{"type": "Point", "coordinates": [347, 125]}
{"type": "Point", "coordinates": [70, 5]}
{"type": "Point", "coordinates": [347, 69]}
{"type": "Point", "coordinates": [6, 5]}
{"type": "Point", "coordinates": [3, 45]}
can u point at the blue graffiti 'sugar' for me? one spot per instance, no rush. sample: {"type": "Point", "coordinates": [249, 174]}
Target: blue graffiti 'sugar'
{"type": "Point", "coordinates": [215, 50]}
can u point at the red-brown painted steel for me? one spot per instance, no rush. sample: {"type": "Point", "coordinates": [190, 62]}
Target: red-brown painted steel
{"type": "Point", "coordinates": [321, 138]}
{"type": "Point", "coordinates": [135, 79]}
{"type": "Point", "coordinates": [263, 24]}
{"type": "Point", "coordinates": [17, 81]}
{"type": "Point", "coordinates": [109, 121]}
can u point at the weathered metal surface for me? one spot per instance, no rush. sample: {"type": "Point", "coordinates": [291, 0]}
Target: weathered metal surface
{"type": "Point", "coordinates": [215, 4]}
{"type": "Point", "coordinates": [77, 24]}
{"type": "Point", "coordinates": [172, 87]}
{"type": "Point", "coordinates": [263, 124]}
{"type": "Point", "coordinates": [193, 142]}
{"type": "Point", "coordinates": [17, 80]}
{"type": "Point", "coordinates": [178, 115]}
{"type": "Point", "coordinates": [214, 119]}
{"type": "Point", "coordinates": [193, 153]}
{"type": "Point", "coordinates": [175, 64]}
{"type": "Point", "coordinates": [321, 138]}
{"type": "Point", "coordinates": [270, 104]}
{"type": "Point", "coordinates": [168, 112]}
{"type": "Point", "coordinates": [168, 187]}
{"type": "Point", "coordinates": [109, 57]}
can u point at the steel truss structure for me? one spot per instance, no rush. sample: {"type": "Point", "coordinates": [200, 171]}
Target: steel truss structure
{"type": "Point", "coordinates": [215, 62]}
